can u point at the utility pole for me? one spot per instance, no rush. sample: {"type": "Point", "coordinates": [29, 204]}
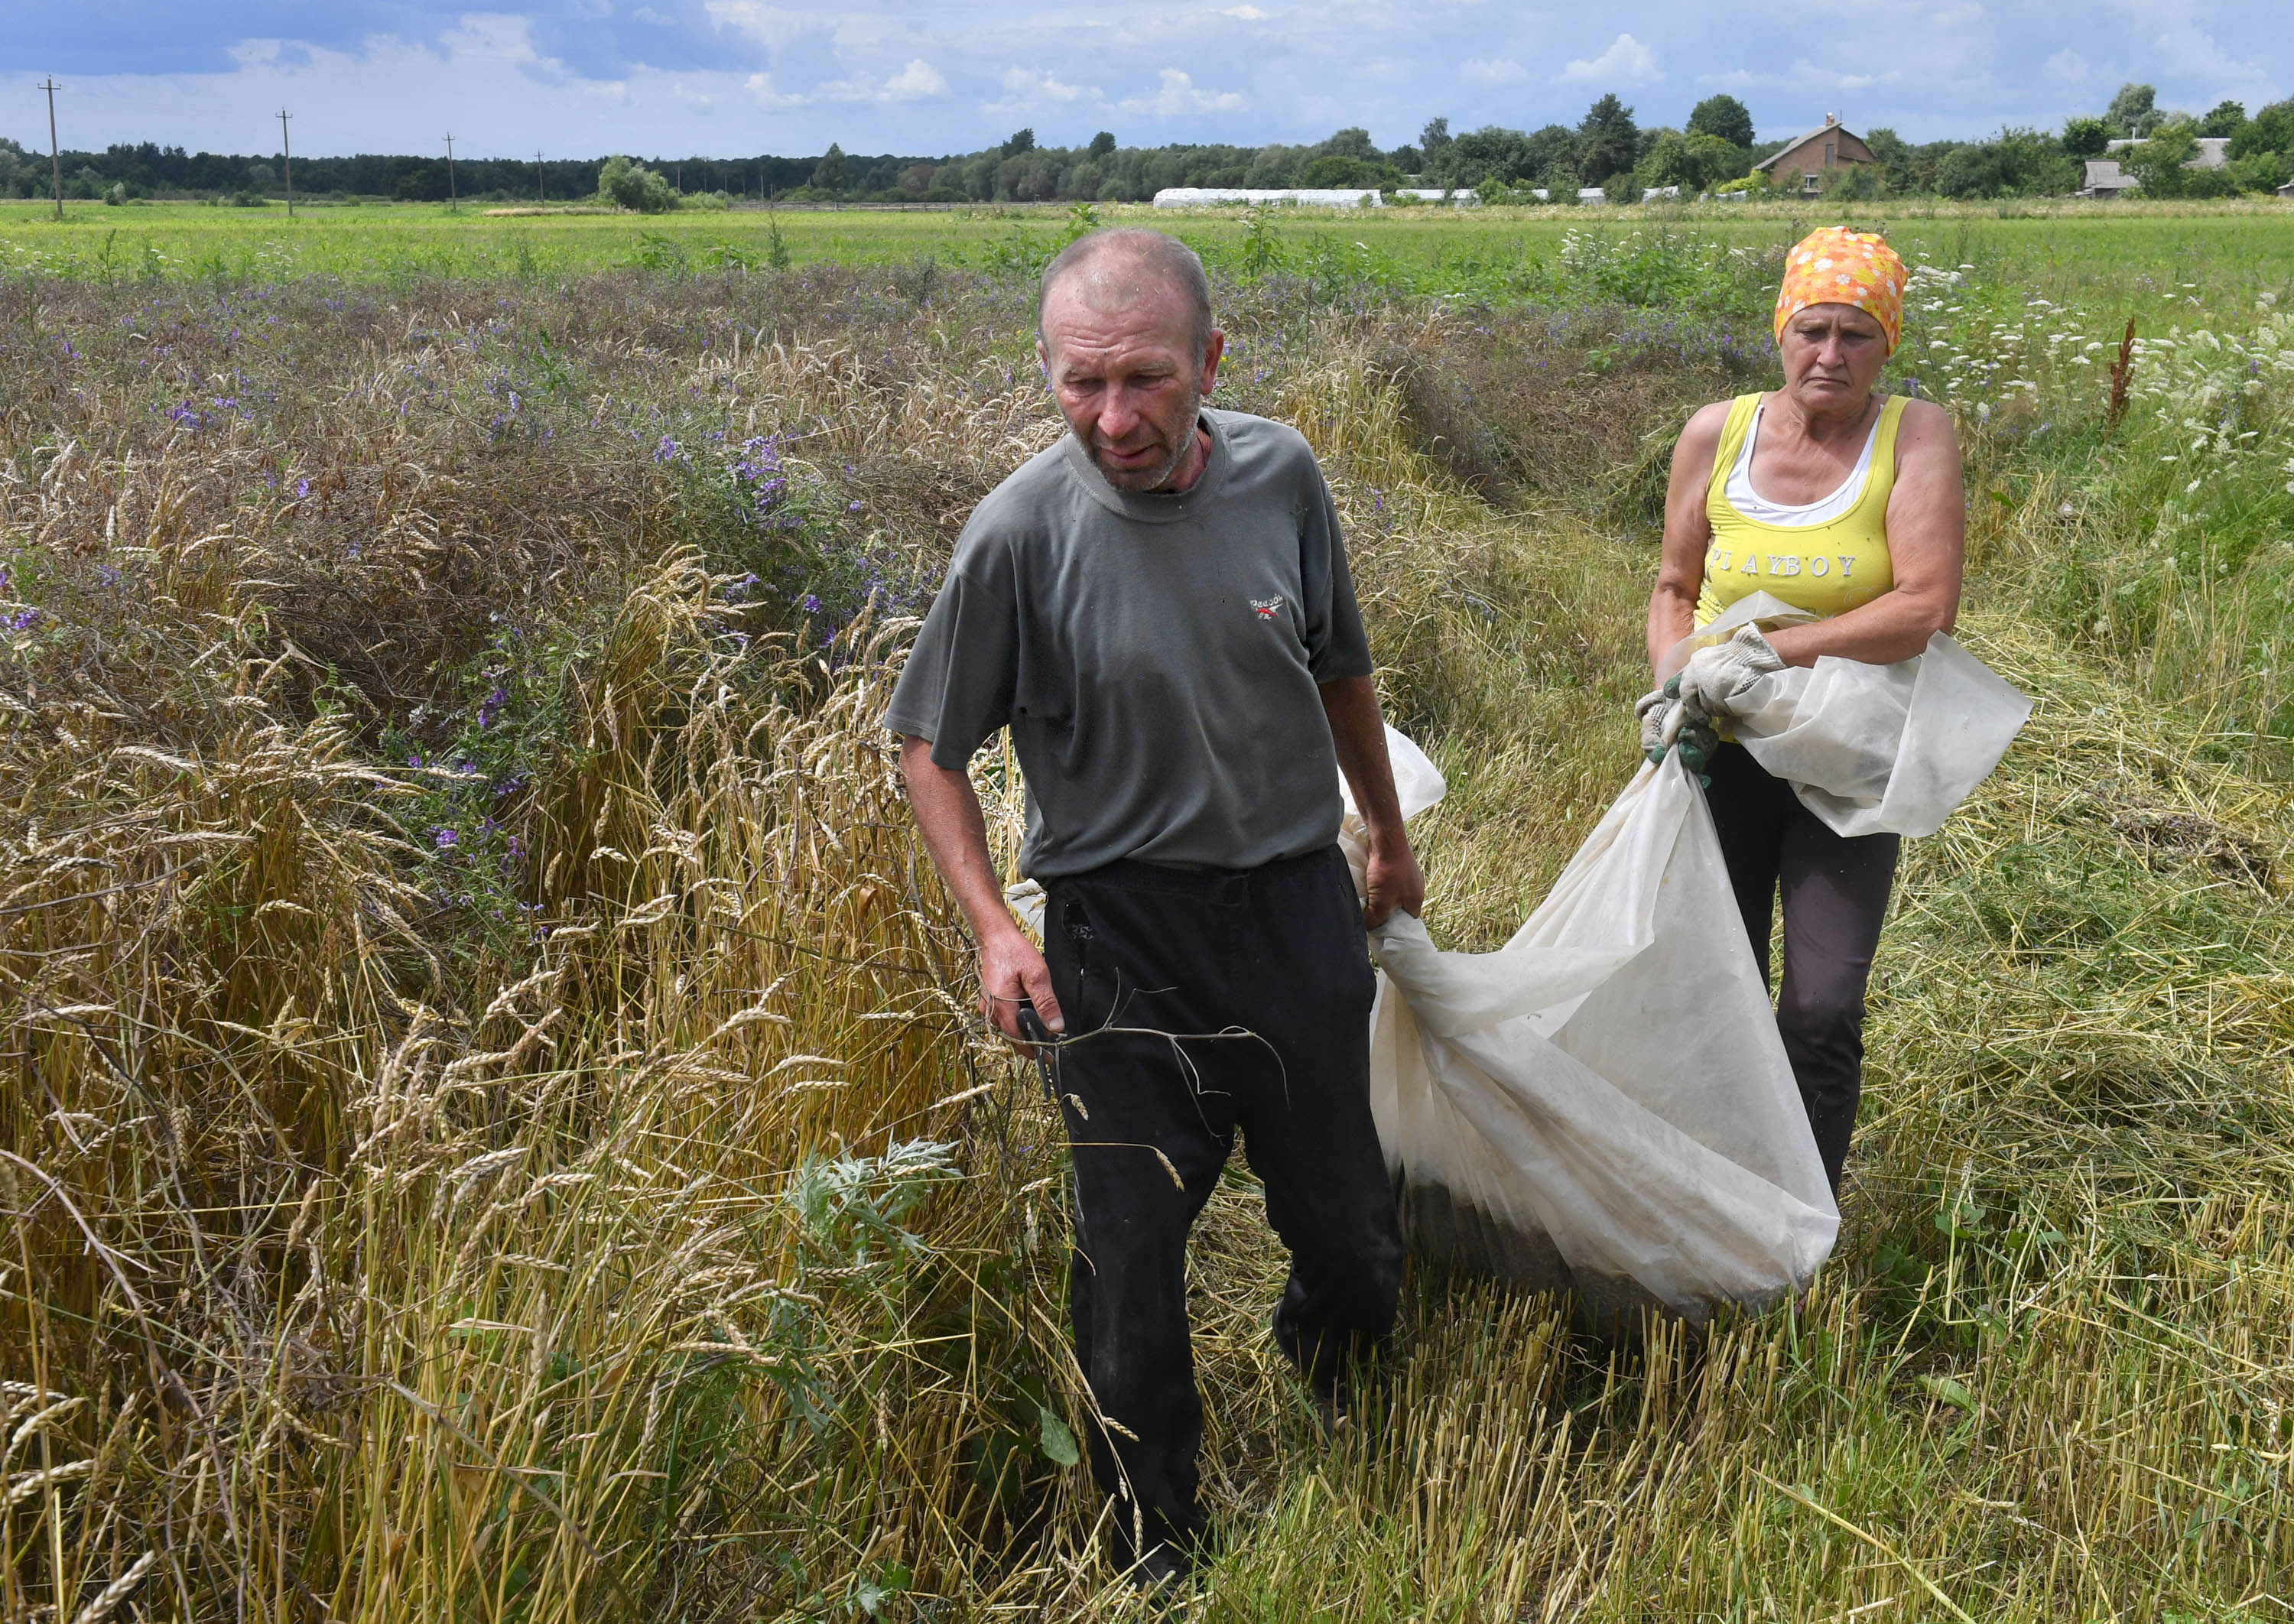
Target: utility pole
{"type": "Point", "coordinates": [287, 160]}
{"type": "Point", "coordinates": [453, 203]}
{"type": "Point", "coordinates": [540, 191]}
{"type": "Point", "coordinates": [55, 159]}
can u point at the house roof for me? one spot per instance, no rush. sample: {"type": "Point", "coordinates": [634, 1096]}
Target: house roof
{"type": "Point", "coordinates": [2213, 153]}
{"type": "Point", "coordinates": [1830, 127]}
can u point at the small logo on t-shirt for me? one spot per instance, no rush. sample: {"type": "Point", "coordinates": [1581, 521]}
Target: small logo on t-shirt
{"type": "Point", "coordinates": [1267, 607]}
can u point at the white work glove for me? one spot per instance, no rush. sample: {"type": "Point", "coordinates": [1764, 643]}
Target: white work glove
{"type": "Point", "coordinates": [1717, 680]}
{"type": "Point", "coordinates": [1667, 723]}
{"type": "Point", "coordinates": [1653, 708]}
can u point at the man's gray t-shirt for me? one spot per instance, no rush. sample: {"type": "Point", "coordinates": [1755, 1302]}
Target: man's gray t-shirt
{"type": "Point", "coordinates": [1156, 657]}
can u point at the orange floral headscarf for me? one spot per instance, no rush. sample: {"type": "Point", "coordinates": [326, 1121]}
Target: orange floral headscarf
{"type": "Point", "coordinates": [1835, 266]}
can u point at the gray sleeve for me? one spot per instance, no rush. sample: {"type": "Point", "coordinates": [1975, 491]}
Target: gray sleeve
{"type": "Point", "coordinates": [957, 687]}
{"type": "Point", "coordinates": [1337, 648]}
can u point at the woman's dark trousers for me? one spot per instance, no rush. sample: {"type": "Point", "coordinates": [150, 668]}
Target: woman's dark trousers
{"type": "Point", "coordinates": [1198, 1003]}
{"type": "Point", "coordinates": [1835, 899]}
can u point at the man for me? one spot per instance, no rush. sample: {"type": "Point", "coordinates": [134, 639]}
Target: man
{"type": "Point", "coordinates": [1159, 609]}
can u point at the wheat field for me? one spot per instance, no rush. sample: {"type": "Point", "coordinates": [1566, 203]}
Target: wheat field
{"type": "Point", "coordinates": [492, 1124]}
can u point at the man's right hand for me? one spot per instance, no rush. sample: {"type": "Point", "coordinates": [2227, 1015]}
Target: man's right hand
{"type": "Point", "coordinates": [1011, 970]}
{"type": "Point", "coordinates": [954, 831]}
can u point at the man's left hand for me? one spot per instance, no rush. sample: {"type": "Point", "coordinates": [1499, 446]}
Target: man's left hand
{"type": "Point", "coordinates": [1396, 883]}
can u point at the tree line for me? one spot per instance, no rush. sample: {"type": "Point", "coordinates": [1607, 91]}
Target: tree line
{"type": "Point", "coordinates": [1713, 149]}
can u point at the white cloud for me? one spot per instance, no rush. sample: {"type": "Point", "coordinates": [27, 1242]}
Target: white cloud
{"type": "Point", "coordinates": [1810, 73]}
{"type": "Point", "coordinates": [1179, 95]}
{"type": "Point", "coordinates": [2067, 65]}
{"type": "Point", "coordinates": [2184, 47]}
{"type": "Point", "coordinates": [761, 86]}
{"type": "Point", "coordinates": [1028, 86]}
{"type": "Point", "coordinates": [1247, 13]}
{"type": "Point", "coordinates": [771, 25]}
{"type": "Point", "coordinates": [914, 82]}
{"type": "Point", "coordinates": [1494, 70]}
{"type": "Point", "coordinates": [1626, 61]}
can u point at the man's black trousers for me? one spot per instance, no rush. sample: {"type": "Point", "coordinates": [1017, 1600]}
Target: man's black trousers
{"type": "Point", "coordinates": [1198, 1003]}
{"type": "Point", "coordinates": [1836, 899]}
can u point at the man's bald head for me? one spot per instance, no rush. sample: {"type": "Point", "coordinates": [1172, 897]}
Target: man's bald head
{"type": "Point", "coordinates": [1114, 270]}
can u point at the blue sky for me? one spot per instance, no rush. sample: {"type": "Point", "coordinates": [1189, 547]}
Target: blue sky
{"type": "Point", "coordinates": [730, 77]}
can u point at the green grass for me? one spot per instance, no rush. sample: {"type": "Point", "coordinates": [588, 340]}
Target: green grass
{"type": "Point", "coordinates": [2061, 250]}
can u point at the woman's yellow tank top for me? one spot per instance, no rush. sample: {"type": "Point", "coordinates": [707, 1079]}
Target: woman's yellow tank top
{"type": "Point", "coordinates": [1825, 568]}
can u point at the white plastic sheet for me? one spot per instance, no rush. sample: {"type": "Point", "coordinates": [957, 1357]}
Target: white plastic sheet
{"type": "Point", "coordinates": [1604, 1103]}
{"type": "Point", "coordinates": [1873, 749]}
{"type": "Point", "coordinates": [1417, 785]}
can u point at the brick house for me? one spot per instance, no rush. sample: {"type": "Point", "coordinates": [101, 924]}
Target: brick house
{"type": "Point", "coordinates": [1818, 156]}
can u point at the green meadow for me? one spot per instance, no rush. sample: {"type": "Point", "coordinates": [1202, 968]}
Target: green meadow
{"type": "Point", "coordinates": [2223, 252]}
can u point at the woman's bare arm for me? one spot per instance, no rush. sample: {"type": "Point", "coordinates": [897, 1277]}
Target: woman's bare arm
{"type": "Point", "coordinates": [1927, 549]}
{"type": "Point", "coordinates": [1688, 534]}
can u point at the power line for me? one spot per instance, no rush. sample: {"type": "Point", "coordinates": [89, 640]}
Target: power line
{"type": "Point", "coordinates": [287, 160]}
{"type": "Point", "coordinates": [55, 158]}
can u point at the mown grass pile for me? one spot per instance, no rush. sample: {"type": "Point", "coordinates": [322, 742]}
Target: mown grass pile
{"type": "Point", "coordinates": [492, 1124]}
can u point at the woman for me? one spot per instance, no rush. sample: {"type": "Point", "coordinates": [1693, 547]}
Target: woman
{"type": "Point", "coordinates": [1848, 506]}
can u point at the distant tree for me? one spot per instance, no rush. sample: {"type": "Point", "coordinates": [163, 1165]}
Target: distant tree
{"type": "Point", "coordinates": [1103, 143]}
{"type": "Point", "coordinates": [2158, 162]}
{"type": "Point", "coordinates": [1491, 153]}
{"type": "Point", "coordinates": [829, 174]}
{"type": "Point", "coordinates": [1713, 159]}
{"type": "Point", "coordinates": [1352, 143]}
{"type": "Point", "coordinates": [1917, 168]}
{"type": "Point", "coordinates": [262, 177]}
{"type": "Point", "coordinates": [2225, 118]}
{"type": "Point", "coordinates": [1886, 145]}
{"type": "Point", "coordinates": [1664, 161]}
{"type": "Point", "coordinates": [2134, 111]}
{"type": "Point", "coordinates": [626, 184]}
{"type": "Point", "coordinates": [1609, 142]}
{"type": "Point", "coordinates": [2015, 163]}
{"type": "Point", "coordinates": [1345, 170]}
{"type": "Point", "coordinates": [2270, 130]}
{"type": "Point", "coordinates": [2085, 137]}
{"type": "Point", "coordinates": [1435, 138]}
{"type": "Point", "coordinates": [1549, 157]}
{"type": "Point", "coordinates": [1723, 115]}
{"type": "Point", "coordinates": [1019, 142]}
{"type": "Point", "coordinates": [2261, 171]}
